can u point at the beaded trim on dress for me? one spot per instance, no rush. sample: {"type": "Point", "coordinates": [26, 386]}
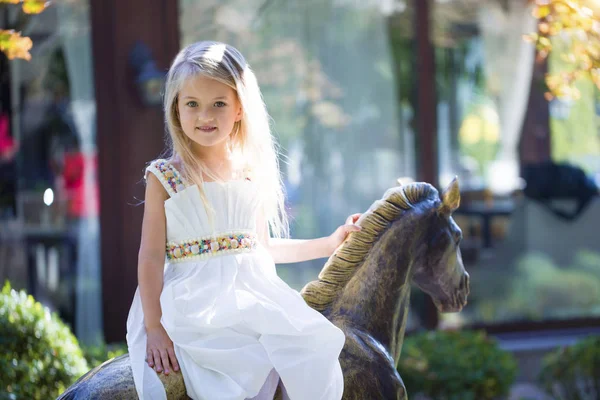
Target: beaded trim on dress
{"type": "Point", "coordinates": [208, 246]}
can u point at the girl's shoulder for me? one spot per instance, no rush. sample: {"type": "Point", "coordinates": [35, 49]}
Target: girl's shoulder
{"type": "Point", "coordinates": [156, 163]}
{"type": "Point", "coordinates": [166, 171]}
{"type": "Point", "coordinates": [165, 164]}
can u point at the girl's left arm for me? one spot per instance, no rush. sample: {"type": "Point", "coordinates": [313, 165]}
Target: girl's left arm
{"type": "Point", "coordinates": [297, 250]}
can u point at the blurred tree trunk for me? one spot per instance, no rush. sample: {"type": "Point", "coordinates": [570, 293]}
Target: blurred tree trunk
{"type": "Point", "coordinates": [535, 142]}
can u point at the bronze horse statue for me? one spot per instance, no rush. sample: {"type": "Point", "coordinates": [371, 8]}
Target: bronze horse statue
{"type": "Point", "coordinates": [407, 237]}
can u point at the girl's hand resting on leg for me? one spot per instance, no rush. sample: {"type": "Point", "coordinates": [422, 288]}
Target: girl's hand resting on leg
{"type": "Point", "coordinates": [160, 353]}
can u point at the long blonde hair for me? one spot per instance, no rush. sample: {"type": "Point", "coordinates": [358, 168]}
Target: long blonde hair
{"type": "Point", "coordinates": [251, 138]}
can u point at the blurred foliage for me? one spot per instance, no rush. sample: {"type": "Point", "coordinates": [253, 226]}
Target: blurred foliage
{"type": "Point", "coordinates": [98, 354]}
{"type": "Point", "coordinates": [12, 44]}
{"type": "Point", "coordinates": [577, 22]}
{"type": "Point", "coordinates": [575, 130]}
{"type": "Point", "coordinates": [40, 356]}
{"type": "Point", "coordinates": [541, 289]}
{"type": "Point", "coordinates": [573, 373]}
{"type": "Point", "coordinates": [456, 365]}
{"type": "Point", "coordinates": [29, 6]}
{"type": "Point", "coordinates": [534, 288]}
{"type": "Point", "coordinates": [479, 134]}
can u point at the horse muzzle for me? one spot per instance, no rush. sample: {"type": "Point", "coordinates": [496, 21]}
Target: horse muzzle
{"type": "Point", "coordinates": [457, 300]}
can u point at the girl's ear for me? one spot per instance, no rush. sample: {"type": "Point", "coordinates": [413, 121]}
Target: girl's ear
{"type": "Point", "coordinates": [240, 112]}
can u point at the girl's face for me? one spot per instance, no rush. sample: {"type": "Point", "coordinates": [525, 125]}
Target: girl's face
{"type": "Point", "coordinates": [208, 110]}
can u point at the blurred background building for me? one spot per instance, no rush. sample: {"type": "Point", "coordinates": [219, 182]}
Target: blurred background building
{"type": "Point", "coordinates": [361, 93]}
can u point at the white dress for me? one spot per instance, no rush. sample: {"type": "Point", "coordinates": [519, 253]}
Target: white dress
{"type": "Point", "coordinates": [232, 320]}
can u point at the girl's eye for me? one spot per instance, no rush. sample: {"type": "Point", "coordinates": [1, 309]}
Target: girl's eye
{"type": "Point", "coordinates": [192, 104]}
{"type": "Point", "coordinates": [220, 104]}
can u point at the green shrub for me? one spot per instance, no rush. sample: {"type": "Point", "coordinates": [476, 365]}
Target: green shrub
{"type": "Point", "coordinates": [573, 373]}
{"type": "Point", "coordinates": [39, 355]}
{"type": "Point", "coordinates": [96, 355]}
{"type": "Point", "coordinates": [450, 365]}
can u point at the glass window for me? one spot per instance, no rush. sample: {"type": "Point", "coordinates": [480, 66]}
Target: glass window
{"type": "Point", "coordinates": [49, 233]}
{"type": "Point", "coordinates": [496, 130]}
{"type": "Point", "coordinates": [332, 74]}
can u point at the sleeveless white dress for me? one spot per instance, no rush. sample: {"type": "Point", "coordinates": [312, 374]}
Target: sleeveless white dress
{"type": "Point", "coordinates": [237, 328]}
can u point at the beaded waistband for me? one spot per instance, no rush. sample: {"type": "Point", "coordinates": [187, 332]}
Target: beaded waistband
{"type": "Point", "coordinates": [208, 246]}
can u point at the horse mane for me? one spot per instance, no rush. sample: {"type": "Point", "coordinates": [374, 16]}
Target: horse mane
{"type": "Point", "coordinates": [342, 265]}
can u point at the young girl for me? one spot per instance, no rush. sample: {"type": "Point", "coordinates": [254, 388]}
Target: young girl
{"type": "Point", "coordinates": [216, 310]}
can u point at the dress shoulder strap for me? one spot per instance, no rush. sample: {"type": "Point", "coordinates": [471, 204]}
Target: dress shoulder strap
{"type": "Point", "coordinates": [167, 174]}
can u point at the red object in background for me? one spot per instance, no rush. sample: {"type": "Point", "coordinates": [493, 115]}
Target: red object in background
{"type": "Point", "coordinates": [73, 178]}
{"type": "Point", "coordinates": [7, 144]}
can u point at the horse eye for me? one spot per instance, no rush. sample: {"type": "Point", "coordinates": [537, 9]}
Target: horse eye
{"type": "Point", "coordinates": [458, 236]}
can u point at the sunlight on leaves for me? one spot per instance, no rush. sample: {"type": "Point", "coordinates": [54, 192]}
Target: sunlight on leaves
{"type": "Point", "coordinates": [577, 23]}
{"type": "Point", "coordinates": [35, 6]}
{"type": "Point", "coordinates": [14, 45]}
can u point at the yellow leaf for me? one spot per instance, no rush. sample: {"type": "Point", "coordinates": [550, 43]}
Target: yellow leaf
{"type": "Point", "coordinates": [545, 42]}
{"type": "Point", "coordinates": [35, 6]}
{"type": "Point", "coordinates": [555, 28]}
{"type": "Point", "coordinates": [10, 1]}
{"type": "Point", "coordinates": [541, 12]}
{"type": "Point", "coordinates": [14, 45]}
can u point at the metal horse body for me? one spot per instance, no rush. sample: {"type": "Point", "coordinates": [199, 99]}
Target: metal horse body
{"type": "Point", "coordinates": [407, 237]}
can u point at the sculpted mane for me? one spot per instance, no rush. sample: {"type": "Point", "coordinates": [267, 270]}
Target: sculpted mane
{"type": "Point", "coordinates": [341, 266]}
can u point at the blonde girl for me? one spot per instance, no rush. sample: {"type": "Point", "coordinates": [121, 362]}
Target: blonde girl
{"type": "Point", "coordinates": [209, 303]}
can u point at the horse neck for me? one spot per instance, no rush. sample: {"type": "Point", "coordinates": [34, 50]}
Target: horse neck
{"type": "Point", "coordinates": [376, 299]}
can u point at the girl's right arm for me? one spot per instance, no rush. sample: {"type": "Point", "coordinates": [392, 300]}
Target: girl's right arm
{"type": "Point", "coordinates": [151, 257]}
{"type": "Point", "coordinates": [151, 260]}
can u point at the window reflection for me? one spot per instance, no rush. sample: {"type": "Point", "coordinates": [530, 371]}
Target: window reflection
{"type": "Point", "coordinates": [527, 262]}
{"type": "Point", "coordinates": [49, 234]}
{"type": "Point", "coordinates": [339, 80]}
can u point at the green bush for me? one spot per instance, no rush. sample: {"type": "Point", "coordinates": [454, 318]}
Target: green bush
{"type": "Point", "coordinates": [450, 365]}
{"type": "Point", "coordinates": [573, 373]}
{"type": "Point", "coordinates": [39, 355]}
{"type": "Point", "coordinates": [96, 355]}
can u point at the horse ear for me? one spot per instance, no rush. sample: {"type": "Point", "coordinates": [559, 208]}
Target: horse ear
{"type": "Point", "coordinates": [406, 180]}
{"type": "Point", "coordinates": [450, 198]}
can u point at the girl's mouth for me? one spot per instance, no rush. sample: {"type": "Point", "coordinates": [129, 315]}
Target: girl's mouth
{"type": "Point", "coordinates": [207, 129]}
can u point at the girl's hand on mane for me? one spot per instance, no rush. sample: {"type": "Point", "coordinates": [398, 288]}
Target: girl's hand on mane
{"type": "Point", "coordinates": [341, 234]}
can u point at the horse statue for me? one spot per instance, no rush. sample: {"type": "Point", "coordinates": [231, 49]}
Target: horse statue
{"type": "Point", "coordinates": [407, 237]}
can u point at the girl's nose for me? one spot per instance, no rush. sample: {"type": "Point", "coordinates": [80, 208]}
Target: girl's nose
{"type": "Point", "coordinates": [204, 116]}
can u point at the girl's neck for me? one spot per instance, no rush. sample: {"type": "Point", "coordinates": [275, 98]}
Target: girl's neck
{"type": "Point", "coordinates": [213, 156]}
{"type": "Point", "coordinates": [220, 161]}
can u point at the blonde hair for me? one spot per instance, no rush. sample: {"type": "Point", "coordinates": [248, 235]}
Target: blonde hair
{"type": "Point", "coordinates": [251, 138]}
